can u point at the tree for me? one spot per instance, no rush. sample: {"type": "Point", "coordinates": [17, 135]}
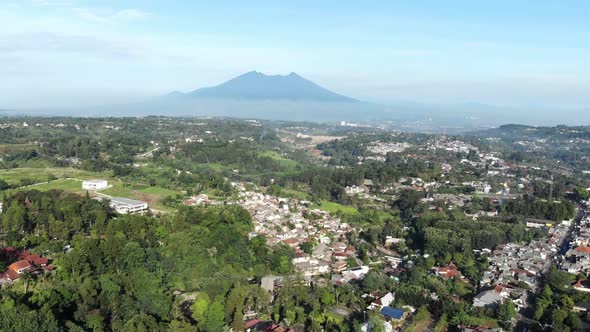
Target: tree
{"type": "Point", "coordinates": [407, 202]}
{"type": "Point", "coordinates": [506, 312]}
{"type": "Point", "coordinates": [215, 315]}
{"type": "Point", "coordinates": [4, 185]}
{"type": "Point", "coordinates": [376, 324]}
{"type": "Point", "coordinates": [544, 301]}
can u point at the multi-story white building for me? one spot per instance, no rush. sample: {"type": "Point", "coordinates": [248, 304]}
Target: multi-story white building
{"type": "Point", "coordinates": [125, 205]}
{"type": "Point", "coordinates": [94, 184]}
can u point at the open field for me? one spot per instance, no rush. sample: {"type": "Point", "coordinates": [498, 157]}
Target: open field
{"type": "Point", "coordinates": [303, 196]}
{"type": "Point", "coordinates": [13, 176]}
{"type": "Point", "coordinates": [69, 185]}
{"type": "Point", "coordinates": [70, 180]}
{"type": "Point", "coordinates": [335, 207]}
{"type": "Point", "coordinates": [284, 162]}
{"type": "Point", "coordinates": [152, 195]}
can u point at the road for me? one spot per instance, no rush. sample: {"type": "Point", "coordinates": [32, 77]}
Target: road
{"type": "Point", "coordinates": [147, 154]}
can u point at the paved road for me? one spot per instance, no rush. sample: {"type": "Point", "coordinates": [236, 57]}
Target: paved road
{"type": "Point", "coordinates": [145, 154]}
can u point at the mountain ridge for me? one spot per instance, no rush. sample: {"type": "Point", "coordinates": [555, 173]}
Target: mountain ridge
{"type": "Point", "coordinates": [255, 85]}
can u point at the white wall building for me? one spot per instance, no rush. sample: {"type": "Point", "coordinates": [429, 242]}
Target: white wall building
{"type": "Point", "coordinates": [125, 205]}
{"type": "Point", "coordinates": [94, 184]}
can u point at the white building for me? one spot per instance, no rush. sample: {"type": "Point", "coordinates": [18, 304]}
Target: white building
{"type": "Point", "coordinates": [94, 184]}
{"type": "Point", "coordinates": [125, 205]}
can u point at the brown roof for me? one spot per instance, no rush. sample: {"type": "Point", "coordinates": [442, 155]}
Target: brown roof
{"type": "Point", "coordinates": [23, 264]}
{"type": "Point", "coordinates": [579, 283]}
{"type": "Point", "coordinates": [37, 260]}
{"type": "Point", "coordinates": [583, 249]}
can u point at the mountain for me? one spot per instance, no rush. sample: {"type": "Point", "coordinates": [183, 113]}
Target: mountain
{"type": "Point", "coordinates": [258, 86]}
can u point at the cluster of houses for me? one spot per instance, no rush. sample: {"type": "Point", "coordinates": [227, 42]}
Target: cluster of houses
{"type": "Point", "coordinates": [383, 148]}
{"type": "Point", "coordinates": [444, 143]}
{"type": "Point", "coordinates": [201, 199]}
{"type": "Point", "coordinates": [292, 223]}
{"type": "Point", "coordinates": [516, 268]}
{"type": "Point", "coordinates": [23, 262]}
{"type": "Point", "coordinates": [577, 258]}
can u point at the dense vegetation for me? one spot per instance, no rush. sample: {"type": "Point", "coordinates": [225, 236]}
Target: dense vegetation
{"type": "Point", "coordinates": [121, 273]}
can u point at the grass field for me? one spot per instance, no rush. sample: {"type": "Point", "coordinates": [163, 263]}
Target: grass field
{"type": "Point", "coordinates": [70, 180]}
{"type": "Point", "coordinates": [69, 185]}
{"type": "Point", "coordinates": [13, 176]}
{"type": "Point", "coordinates": [284, 162]}
{"type": "Point", "coordinates": [296, 194]}
{"type": "Point", "coordinates": [335, 207]}
{"type": "Point", "coordinates": [152, 195]}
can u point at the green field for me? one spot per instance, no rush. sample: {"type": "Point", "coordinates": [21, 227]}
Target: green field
{"type": "Point", "coordinates": [152, 195]}
{"type": "Point", "coordinates": [13, 176]}
{"type": "Point", "coordinates": [69, 185]}
{"type": "Point", "coordinates": [284, 162]}
{"type": "Point", "coordinates": [296, 194]}
{"type": "Point", "coordinates": [70, 180]}
{"type": "Point", "coordinates": [335, 207]}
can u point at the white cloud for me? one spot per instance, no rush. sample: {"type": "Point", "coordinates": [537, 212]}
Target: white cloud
{"type": "Point", "coordinates": [109, 16]}
{"type": "Point", "coordinates": [131, 14]}
{"type": "Point", "coordinates": [53, 3]}
{"type": "Point", "coordinates": [103, 15]}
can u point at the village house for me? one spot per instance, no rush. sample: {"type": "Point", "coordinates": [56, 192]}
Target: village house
{"type": "Point", "coordinates": [448, 271]}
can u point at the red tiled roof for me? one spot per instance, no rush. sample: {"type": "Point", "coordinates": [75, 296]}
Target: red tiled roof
{"type": "Point", "coordinates": [22, 264]}
{"type": "Point", "coordinates": [290, 241]}
{"type": "Point", "coordinates": [37, 260]}
{"type": "Point", "coordinates": [251, 323]}
{"type": "Point", "coordinates": [24, 254]}
{"type": "Point", "coordinates": [12, 275]}
{"type": "Point", "coordinates": [521, 271]}
{"type": "Point", "coordinates": [449, 271]}
{"type": "Point", "coordinates": [583, 249]}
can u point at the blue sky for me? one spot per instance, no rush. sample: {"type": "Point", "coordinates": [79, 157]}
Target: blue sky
{"type": "Point", "coordinates": [65, 52]}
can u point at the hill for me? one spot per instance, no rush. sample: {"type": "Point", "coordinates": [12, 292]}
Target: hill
{"type": "Point", "coordinates": [258, 86]}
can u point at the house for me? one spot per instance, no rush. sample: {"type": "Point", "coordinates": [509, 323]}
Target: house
{"type": "Point", "coordinates": [37, 260]}
{"type": "Point", "coordinates": [493, 297]}
{"type": "Point", "coordinates": [580, 285]}
{"type": "Point", "coordinates": [20, 267]}
{"type": "Point", "coordinates": [389, 241]}
{"type": "Point", "coordinates": [448, 272]}
{"type": "Point", "coordinates": [382, 301]}
{"type": "Point", "coordinates": [356, 272]}
{"type": "Point", "coordinates": [262, 326]}
{"type": "Point", "coordinates": [488, 299]}
{"type": "Point", "coordinates": [125, 205]}
{"type": "Point", "coordinates": [582, 307]}
{"type": "Point", "coordinates": [339, 266]}
{"type": "Point", "coordinates": [94, 184]}
{"type": "Point", "coordinates": [291, 242]}
{"type": "Point", "coordinates": [271, 283]}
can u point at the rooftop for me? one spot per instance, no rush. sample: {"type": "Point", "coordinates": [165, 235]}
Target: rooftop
{"type": "Point", "coordinates": [125, 201]}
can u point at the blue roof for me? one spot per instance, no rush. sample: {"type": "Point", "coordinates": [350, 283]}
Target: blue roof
{"type": "Point", "coordinates": [392, 312]}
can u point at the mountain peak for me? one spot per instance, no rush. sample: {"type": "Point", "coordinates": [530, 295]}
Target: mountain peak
{"type": "Point", "coordinates": [255, 85]}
